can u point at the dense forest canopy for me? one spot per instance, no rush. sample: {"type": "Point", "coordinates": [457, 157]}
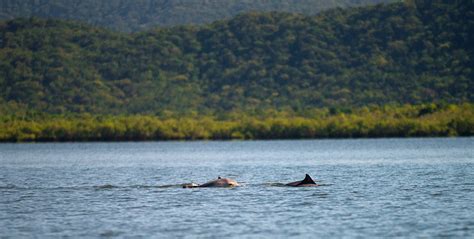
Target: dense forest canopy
{"type": "Point", "coordinates": [134, 15]}
{"type": "Point", "coordinates": [403, 53]}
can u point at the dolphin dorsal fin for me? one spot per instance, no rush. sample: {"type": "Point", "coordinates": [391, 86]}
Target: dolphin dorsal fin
{"type": "Point", "coordinates": [307, 180]}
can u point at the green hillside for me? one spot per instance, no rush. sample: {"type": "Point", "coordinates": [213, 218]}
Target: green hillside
{"type": "Point", "coordinates": [134, 15]}
{"type": "Point", "coordinates": [394, 54]}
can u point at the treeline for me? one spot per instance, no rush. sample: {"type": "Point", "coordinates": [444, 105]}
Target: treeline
{"type": "Point", "coordinates": [414, 52]}
{"type": "Point", "coordinates": [131, 15]}
{"type": "Point", "coordinates": [387, 121]}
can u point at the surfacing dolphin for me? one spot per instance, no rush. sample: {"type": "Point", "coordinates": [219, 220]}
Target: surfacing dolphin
{"type": "Point", "coordinates": [306, 182]}
{"type": "Point", "coordinates": [219, 182]}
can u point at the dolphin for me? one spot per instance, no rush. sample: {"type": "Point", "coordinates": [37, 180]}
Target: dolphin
{"type": "Point", "coordinates": [306, 182]}
{"type": "Point", "coordinates": [219, 182]}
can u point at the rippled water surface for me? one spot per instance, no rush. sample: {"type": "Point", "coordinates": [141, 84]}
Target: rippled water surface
{"type": "Point", "coordinates": [370, 188]}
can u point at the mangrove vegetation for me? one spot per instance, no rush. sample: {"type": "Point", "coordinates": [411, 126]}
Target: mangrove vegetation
{"type": "Point", "coordinates": [394, 70]}
{"type": "Point", "coordinates": [388, 121]}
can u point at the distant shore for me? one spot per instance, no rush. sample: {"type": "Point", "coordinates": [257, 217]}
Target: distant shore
{"type": "Point", "coordinates": [403, 121]}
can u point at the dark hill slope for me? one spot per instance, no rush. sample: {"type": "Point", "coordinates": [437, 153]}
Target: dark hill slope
{"type": "Point", "coordinates": [133, 15]}
{"type": "Point", "coordinates": [398, 53]}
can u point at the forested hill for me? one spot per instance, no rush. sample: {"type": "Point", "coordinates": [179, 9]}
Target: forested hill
{"type": "Point", "coordinates": [398, 53]}
{"type": "Point", "coordinates": [133, 15]}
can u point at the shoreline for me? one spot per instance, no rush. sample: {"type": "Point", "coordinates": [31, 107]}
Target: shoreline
{"type": "Point", "coordinates": [231, 140]}
{"type": "Point", "coordinates": [382, 122]}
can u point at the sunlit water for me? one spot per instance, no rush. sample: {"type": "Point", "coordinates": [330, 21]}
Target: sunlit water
{"type": "Point", "coordinates": [371, 188]}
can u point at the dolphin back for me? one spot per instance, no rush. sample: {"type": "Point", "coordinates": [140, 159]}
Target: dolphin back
{"type": "Point", "coordinates": [221, 182]}
{"type": "Point", "coordinates": [307, 181]}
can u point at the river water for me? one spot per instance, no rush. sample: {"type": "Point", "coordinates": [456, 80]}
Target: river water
{"type": "Point", "coordinates": [369, 188]}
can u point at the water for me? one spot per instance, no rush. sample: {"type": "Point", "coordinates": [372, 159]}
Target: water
{"type": "Point", "coordinates": [371, 188]}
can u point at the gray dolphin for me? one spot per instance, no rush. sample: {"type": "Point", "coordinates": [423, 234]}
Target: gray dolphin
{"type": "Point", "coordinates": [306, 182]}
{"type": "Point", "coordinates": [219, 182]}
